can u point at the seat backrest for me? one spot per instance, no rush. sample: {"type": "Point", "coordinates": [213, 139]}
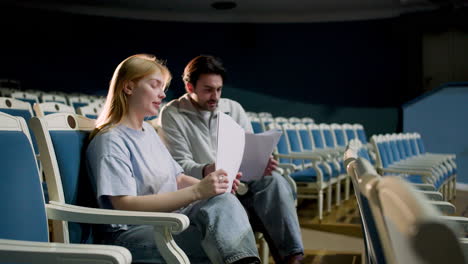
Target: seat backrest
{"type": "Point", "coordinates": [26, 97]}
{"type": "Point", "coordinates": [362, 179]}
{"type": "Point", "coordinates": [265, 114]}
{"type": "Point", "coordinates": [339, 134]}
{"type": "Point", "coordinates": [327, 134]}
{"type": "Point", "coordinates": [256, 124]}
{"type": "Point", "coordinates": [43, 109]}
{"type": "Point", "coordinates": [53, 98]}
{"type": "Point", "coordinates": [294, 120]}
{"type": "Point", "coordinates": [415, 227]}
{"type": "Point", "coordinates": [282, 146]}
{"type": "Point", "coordinates": [349, 131]}
{"type": "Point", "coordinates": [307, 120]}
{"type": "Point", "coordinates": [90, 111]}
{"type": "Point", "coordinates": [21, 196]}
{"type": "Point", "coordinates": [317, 136]}
{"type": "Point", "coordinates": [62, 139]}
{"type": "Point", "coordinates": [408, 228]}
{"type": "Point", "coordinates": [361, 134]}
{"type": "Point", "coordinates": [281, 120]}
{"type": "Point", "coordinates": [78, 101]}
{"type": "Point", "coordinates": [293, 141]}
{"type": "Point", "coordinates": [306, 140]}
{"type": "Point", "coordinates": [266, 121]}
{"type": "Point", "coordinates": [20, 108]}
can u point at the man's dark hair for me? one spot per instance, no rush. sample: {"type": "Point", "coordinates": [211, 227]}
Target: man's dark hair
{"type": "Point", "coordinates": [203, 64]}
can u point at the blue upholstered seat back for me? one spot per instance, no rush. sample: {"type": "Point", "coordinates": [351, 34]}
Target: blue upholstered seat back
{"type": "Point", "coordinates": [256, 126]}
{"type": "Point", "coordinates": [318, 139]}
{"type": "Point", "coordinates": [77, 105]}
{"type": "Point", "coordinates": [28, 100]}
{"type": "Point", "coordinates": [340, 137]}
{"type": "Point", "coordinates": [54, 101]}
{"type": "Point", "coordinates": [147, 118]}
{"type": "Point", "coordinates": [328, 136]}
{"type": "Point", "coordinates": [91, 116]}
{"type": "Point", "coordinates": [305, 139]}
{"type": "Point", "coordinates": [373, 244]}
{"type": "Point", "coordinates": [26, 115]}
{"type": "Point", "coordinates": [362, 135]}
{"type": "Point", "coordinates": [294, 143]}
{"type": "Point", "coordinates": [21, 198]}
{"type": "Point", "coordinates": [70, 147]}
{"type": "Point", "coordinates": [282, 147]}
{"type": "Point", "coordinates": [350, 134]}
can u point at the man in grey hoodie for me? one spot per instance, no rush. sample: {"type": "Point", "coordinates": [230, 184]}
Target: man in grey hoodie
{"type": "Point", "coordinates": [189, 129]}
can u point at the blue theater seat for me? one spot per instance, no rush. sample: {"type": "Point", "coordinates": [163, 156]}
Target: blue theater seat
{"type": "Point", "coordinates": [24, 236]}
{"type": "Point", "coordinates": [62, 141]}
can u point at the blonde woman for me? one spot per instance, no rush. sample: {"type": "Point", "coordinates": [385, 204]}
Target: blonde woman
{"type": "Point", "coordinates": [133, 170]}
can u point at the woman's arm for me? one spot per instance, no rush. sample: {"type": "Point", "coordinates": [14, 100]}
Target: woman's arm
{"type": "Point", "coordinates": [191, 190]}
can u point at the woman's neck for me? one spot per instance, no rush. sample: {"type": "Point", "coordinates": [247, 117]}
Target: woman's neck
{"type": "Point", "coordinates": [132, 120]}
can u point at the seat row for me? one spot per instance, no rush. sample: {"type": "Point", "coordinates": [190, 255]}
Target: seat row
{"type": "Point", "coordinates": [35, 97]}
{"type": "Point", "coordinates": [405, 153]}
{"type": "Point", "coordinates": [401, 223]}
{"type": "Point", "coordinates": [312, 156]}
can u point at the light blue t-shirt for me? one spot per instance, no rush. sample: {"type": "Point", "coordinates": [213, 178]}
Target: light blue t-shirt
{"type": "Point", "coordinates": [125, 161]}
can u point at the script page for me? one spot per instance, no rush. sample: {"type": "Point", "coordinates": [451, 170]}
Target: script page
{"type": "Point", "coordinates": [231, 141]}
{"type": "Point", "coordinates": [257, 151]}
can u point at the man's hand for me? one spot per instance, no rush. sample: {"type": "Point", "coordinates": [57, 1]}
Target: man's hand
{"type": "Point", "coordinates": [236, 182]}
{"type": "Point", "coordinates": [271, 166]}
{"type": "Point", "coordinates": [208, 169]}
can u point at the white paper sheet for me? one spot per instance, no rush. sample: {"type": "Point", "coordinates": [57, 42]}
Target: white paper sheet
{"type": "Point", "coordinates": [257, 151]}
{"type": "Point", "coordinates": [231, 140]}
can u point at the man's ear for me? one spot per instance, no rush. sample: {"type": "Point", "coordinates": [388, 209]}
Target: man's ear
{"type": "Point", "coordinates": [128, 87]}
{"type": "Point", "coordinates": [189, 87]}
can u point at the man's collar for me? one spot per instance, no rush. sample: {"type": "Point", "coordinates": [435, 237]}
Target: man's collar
{"type": "Point", "coordinates": [187, 106]}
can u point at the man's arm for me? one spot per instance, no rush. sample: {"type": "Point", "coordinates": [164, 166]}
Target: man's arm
{"type": "Point", "coordinates": [178, 145]}
{"type": "Point", "coordinates": [243, 119]}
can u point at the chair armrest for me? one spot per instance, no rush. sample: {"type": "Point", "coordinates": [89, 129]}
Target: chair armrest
{"type": "Point", "coordinates": [165, 224]}
{"type": "Point", "coordinates": [289, 168]}
{"type": "Point", "coordinates": [433, 196]}
{"type": "Point", "coordinates": [407, 171]}
{"type": "Point", "coordinates": [79, 214]}
{"type": "Point", "coordinates": [301, 155]}
{"type": "Point", "coordinates": [462, 221]}
{"type": "Point", "coordinates": [423, 186]}
{"type": "Point", "coordinates": [17, 251]}
{"type": "Point", "coordinates": [444, 207]}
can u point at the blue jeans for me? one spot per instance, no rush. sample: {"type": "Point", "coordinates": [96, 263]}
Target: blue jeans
{"type": "Point", "coordinates": [218, 233]}
{"type": "Point", "coordinates": [270, 205]}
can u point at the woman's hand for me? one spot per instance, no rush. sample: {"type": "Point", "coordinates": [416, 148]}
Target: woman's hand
{"type": "Point", "coordinates": [212, 184]}
{"type": "Point", "coordinates": [236, 182]}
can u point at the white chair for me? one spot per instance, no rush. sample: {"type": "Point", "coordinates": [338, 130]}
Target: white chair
{"type": "Point", "coordinates": [26, 97]}
{"type": "Point", "coordinates": [47, 98]}
{"type": "Point", "coordinates": [43, 109]}
{"type": "Point", "coordinates": [280, 120]}
{"type": "Point", "coordinates": [24, 236]}
{"type": "Point", "coordinates": [307, 120]}
{"type": "Point", "coordinates": [90, 111]}
{"type": "Point", "coordinates": [78, 101]}
{"type": "Point", "coordinates": [61, 138]}
{"type": "Point", "coordinates": [399, 224]}
{"type": "Point", "coordinates": [295, 120]}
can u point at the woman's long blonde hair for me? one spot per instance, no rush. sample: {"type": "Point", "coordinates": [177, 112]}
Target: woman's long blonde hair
{"type": "Point", "coordinates": [132, 68]}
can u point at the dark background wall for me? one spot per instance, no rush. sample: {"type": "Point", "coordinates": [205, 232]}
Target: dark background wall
{"type": "Point", "coordinates": [355, 71]}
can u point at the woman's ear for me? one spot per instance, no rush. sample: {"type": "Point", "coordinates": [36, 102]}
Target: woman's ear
{"type": "Point", "coordinates": [128, 87]}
